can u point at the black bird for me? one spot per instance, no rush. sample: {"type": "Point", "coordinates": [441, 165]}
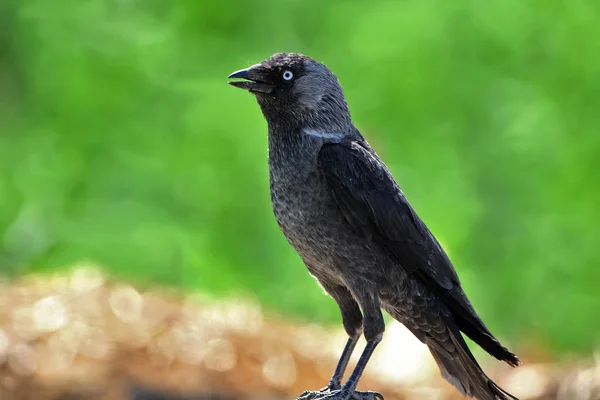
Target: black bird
{"type": "Point", "coordinates": [340, 208]}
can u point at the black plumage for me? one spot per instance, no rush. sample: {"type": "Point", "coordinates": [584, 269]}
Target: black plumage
{"type": "Point", "coordinates": [340, 207]}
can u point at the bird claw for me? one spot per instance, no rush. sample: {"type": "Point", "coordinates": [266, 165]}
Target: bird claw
{"type": "Point", "coordinates": [312, 395]}
{"type": "Point", "coordinates": [328, 394]}
{"type": "Point", "coordinates": [368, 395]}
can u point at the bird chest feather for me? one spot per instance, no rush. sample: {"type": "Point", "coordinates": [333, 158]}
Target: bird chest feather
{"type": "Point", "coordinates": [300, 200]}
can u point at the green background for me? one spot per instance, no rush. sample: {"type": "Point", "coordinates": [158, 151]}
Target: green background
{"type": "Point", "coordinates": [121, 143]}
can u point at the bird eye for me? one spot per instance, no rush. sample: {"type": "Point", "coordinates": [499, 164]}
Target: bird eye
{"type": "Point", "coordinates": [287, 75]}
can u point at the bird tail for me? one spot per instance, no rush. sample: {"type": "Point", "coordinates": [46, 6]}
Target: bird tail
{"type": "Point", "coordinates": [459, 367]}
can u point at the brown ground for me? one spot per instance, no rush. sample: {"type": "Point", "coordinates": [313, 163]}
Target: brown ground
{"type": "Point", "coordinates": [80, 337]}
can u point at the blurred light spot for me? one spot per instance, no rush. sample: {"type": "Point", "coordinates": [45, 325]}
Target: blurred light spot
{"type": "Point", "coordinates": [137, 337]}
{"type": "Point", "coordinates": [60, 353]}
{"type": "Point", "coordinates": [191, 348]}
{"type": "Point", "coordinates": [89, 307]}
{"type": "Point", "coordinates": [163, 348]}
{"type": "Point", "coordinates": [187, 327]}
{"type": "Point", "coordinates": [583, 384]}
{"type": "Point", "coordinates": [126, 303]}
{"type": "Point", "coordinates": [402, 358]}
{"type": "Point", "coordinates": [85, 279]}
{"type": "Point", "coordinates": [220, 355]}
{"type": "Point", "coordinates": [23, 322]}
{"type": "Point", "coordinates": [243, 317]}
{"type": "Point", "coordinates": [308, 341]}
{"type": "Point", "coordinates": [214, 318]}
{"type": "Point", "coordinates": [280, 370]}
{"type": "Point", "coordinates": [96, 344]}
{"type": "Point", "coordinates": [73, 333]}
{"type": "Point", "coordinates": [49, 314]}
{"type": "Point", "coordinates": [4, 342]}
{"type": "Point", "coordinates": [528, 382]}
{"type": "Point", "coordinates": [22, 360]}
{"type": "Point", "coordinates": [156, 312]}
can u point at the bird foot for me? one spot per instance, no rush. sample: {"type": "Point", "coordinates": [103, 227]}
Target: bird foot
{"type": "Point", "coordinates": [312, 395]}
{"type": "Point", "coordinates": [328, 394]}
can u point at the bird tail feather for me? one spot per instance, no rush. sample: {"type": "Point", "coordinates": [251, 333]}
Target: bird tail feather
{"type": "Point", "coordinates": [459, 367]}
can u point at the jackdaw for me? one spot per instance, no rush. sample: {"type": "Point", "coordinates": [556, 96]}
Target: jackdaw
{"type": "Point", "coordinates": [341, 209]}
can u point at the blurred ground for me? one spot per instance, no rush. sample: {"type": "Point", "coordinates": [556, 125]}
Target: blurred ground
{"type": "Point", "coordinates": [83, 336]}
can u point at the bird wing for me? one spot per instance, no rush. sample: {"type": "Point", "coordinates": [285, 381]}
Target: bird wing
{"type": "Point", "coordinates": [374, 205]}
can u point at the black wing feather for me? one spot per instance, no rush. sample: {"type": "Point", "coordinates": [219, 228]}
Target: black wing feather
{"type": "Point", "coordinates": [372, 202]}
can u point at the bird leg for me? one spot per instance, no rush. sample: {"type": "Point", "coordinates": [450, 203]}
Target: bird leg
{"type": "Point", "coordinates": [373, 326]}
{"type": "Point", "coordinates": [353, 320]}
{"type": "Point", "coordinates": [348, 391]}
{"type": "Point", "coordinates": [336, 380]}
{"type": "Point", "coordinates": [373, 329]}
{"type": "Point", "coordinates": [335, 383]}
{"type": "Point", "coordinates": [352, 382]}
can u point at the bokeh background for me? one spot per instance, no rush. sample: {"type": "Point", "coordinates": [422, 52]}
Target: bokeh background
{"type": "Point", "coordinates": [122, 146]}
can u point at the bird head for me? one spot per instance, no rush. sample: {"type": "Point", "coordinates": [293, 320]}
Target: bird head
{"type": "Point", "coordinates": [297, 89]}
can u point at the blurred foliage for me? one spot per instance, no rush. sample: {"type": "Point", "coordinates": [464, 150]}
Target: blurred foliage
{"type": "Point", "coordinates": [120, 142]}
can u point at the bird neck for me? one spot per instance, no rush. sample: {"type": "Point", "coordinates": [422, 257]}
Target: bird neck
{"type": "Point", "coordinates": [291, 152]}
{"type": "Point", "coordinates": [285, 139]}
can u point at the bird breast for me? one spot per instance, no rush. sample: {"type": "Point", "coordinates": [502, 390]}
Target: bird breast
{"type": "Point", "coordinates": [303, 208]}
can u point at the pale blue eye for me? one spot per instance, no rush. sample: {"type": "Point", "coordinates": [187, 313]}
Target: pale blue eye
{"type": "Point", "coordinates": [287, 75]}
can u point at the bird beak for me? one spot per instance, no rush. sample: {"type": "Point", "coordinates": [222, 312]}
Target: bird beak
{"type": "Point", "coordinates": [256, 79]}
